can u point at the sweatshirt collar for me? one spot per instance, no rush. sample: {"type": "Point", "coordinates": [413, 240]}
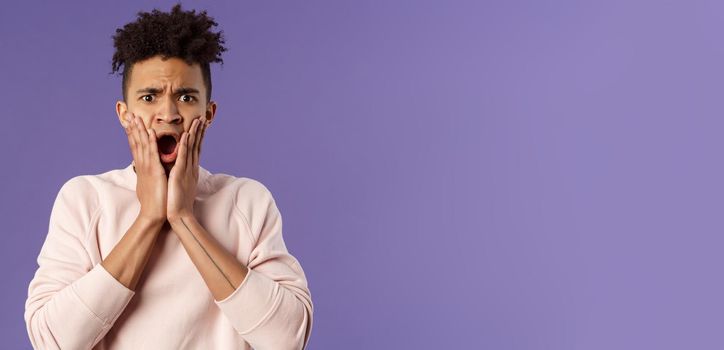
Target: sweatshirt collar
{"type": "Point", "coordinates": [129, 178]}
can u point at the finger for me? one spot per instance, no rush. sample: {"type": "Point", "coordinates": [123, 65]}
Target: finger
{"type": "Point", "coordinates": [152, 140]}
{"type": "Point", "coordinates": [199, 129]}
{"type": "Point", "coordinates": [142, 133]}
{"type": "Point", "coordinates": [201, 140]}
{"type": "Point", "coordinates": [197, 146]}
{"type": "Point", "coordinates": [192, 139]}
{"type": "Point", "coordinates": [142, 139]}
{"type": "Point", "coordinates": [193, 131]}
{"type": "Point", "coordinates": [181, 156]}
{"type": "Point", "coordinates": [127, 127]}
{"type": "Point", "coordinates": [136, 140]}
{"type": "Point", "coordinates": [125, 123]}
{"type": "Point", "coordinates": [133, 139]}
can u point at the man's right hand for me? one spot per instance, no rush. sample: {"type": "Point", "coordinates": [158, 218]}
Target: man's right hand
{"type": "Point", "coordinates": [151, 181]}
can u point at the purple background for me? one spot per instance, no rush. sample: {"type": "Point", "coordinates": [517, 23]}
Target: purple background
{"type": "Point", "coordinates": [451, 174]}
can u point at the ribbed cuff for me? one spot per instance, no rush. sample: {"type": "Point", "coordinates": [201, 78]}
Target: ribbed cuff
{"type": "Point", "coordinates": [103, 294]}
{"type": "Point", "coordinates": [251, 303]}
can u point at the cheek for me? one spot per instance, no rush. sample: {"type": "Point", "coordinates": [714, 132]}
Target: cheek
{"type": "Point", "coordinates": [144, 117]}
{"type": "Point", "coordinates": [188, 126]}
{"type": "Point", "coordinates": [146, 122]}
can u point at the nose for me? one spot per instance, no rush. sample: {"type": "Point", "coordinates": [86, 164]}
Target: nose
{"type": "Point", "coordinates": [168, 112]}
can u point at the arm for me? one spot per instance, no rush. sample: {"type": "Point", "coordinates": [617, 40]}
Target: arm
{"type": "Point", "coordinates": [268, 302]}
{"type": "Point", "coordinates": [221, 271]}
{"type": "Point", "coordinates": [72, 303]}
{"type": "Point", "coordinates": [128, 258]}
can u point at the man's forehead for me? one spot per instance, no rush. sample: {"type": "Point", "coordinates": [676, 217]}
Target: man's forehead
{"type": "Point", "coordinates": [159, 73]}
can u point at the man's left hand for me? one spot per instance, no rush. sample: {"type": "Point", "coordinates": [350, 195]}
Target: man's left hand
{"type": "Point", "coordinates": [184, 175]}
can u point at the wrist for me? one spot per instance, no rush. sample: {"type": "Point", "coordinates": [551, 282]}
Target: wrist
{"type": "Point", "coordinates": [150, 221]}
{"type": "Point", "coordinates": [177, 218]}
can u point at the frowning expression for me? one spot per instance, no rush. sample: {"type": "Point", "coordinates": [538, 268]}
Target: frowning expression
{"type": "Point", "coordinates": [168, 95]}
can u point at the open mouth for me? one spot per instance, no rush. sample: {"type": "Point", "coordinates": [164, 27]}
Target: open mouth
{"type": "Point", "coordinates": [167, 148]}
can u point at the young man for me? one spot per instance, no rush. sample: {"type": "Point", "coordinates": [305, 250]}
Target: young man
{"type": "Point", "coordinates": [163, 254]}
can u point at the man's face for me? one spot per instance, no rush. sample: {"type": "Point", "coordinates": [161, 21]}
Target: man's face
{"type": "Point", "coordinates": [168, 96]}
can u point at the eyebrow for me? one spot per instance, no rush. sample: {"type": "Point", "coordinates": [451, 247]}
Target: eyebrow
{"type": "Point", "coordinates": [178, 91]}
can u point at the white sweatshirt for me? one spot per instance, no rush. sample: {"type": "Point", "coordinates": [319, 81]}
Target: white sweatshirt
{"type": "Point", "coordinates": [74, 303]}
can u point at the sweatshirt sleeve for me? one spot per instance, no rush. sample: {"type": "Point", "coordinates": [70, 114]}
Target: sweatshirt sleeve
{"type": "Point", "coordinates": [72, 303]}
{"type": "Point", "coordinates": [272, 307]}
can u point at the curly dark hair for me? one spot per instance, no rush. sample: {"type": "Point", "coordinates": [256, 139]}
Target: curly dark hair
{"type": "Point", "coordinates": [180, 34]}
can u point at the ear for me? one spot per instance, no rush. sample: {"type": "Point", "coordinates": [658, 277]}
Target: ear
{"type": "Point", "coordinates": [121, 110]}
{"type": "Point", "coordinates": [210, 111]}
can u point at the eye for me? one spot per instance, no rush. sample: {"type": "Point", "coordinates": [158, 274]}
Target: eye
{"type": "Point", "coordinates": [191, 98]}
{"type": "Point", "coordinates": [144, 97]}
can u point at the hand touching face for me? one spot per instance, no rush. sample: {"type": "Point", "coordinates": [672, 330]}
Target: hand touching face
{"type": "Point", "coordinates": [167, 95]}
{"type": "Point", "coordinates": [184, 176]}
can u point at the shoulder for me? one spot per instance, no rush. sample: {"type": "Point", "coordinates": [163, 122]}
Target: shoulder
{"type": "Point", "coordinates": [76, 204]}
{"type": "Point", "coordinates": [89, 185]}
{"type": "Point", "coordinates": [250, 200]}
{"type": "Point", "coordinates": [246, 191]}
{"type": "Point", "coordinates": [253, 199]}
{"type": "Point", "coordinates": [253, 190]}
{"type": "Point", "coordinates": [255, 203]}
{"type": "Point", "coordinates": [81, 188]}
